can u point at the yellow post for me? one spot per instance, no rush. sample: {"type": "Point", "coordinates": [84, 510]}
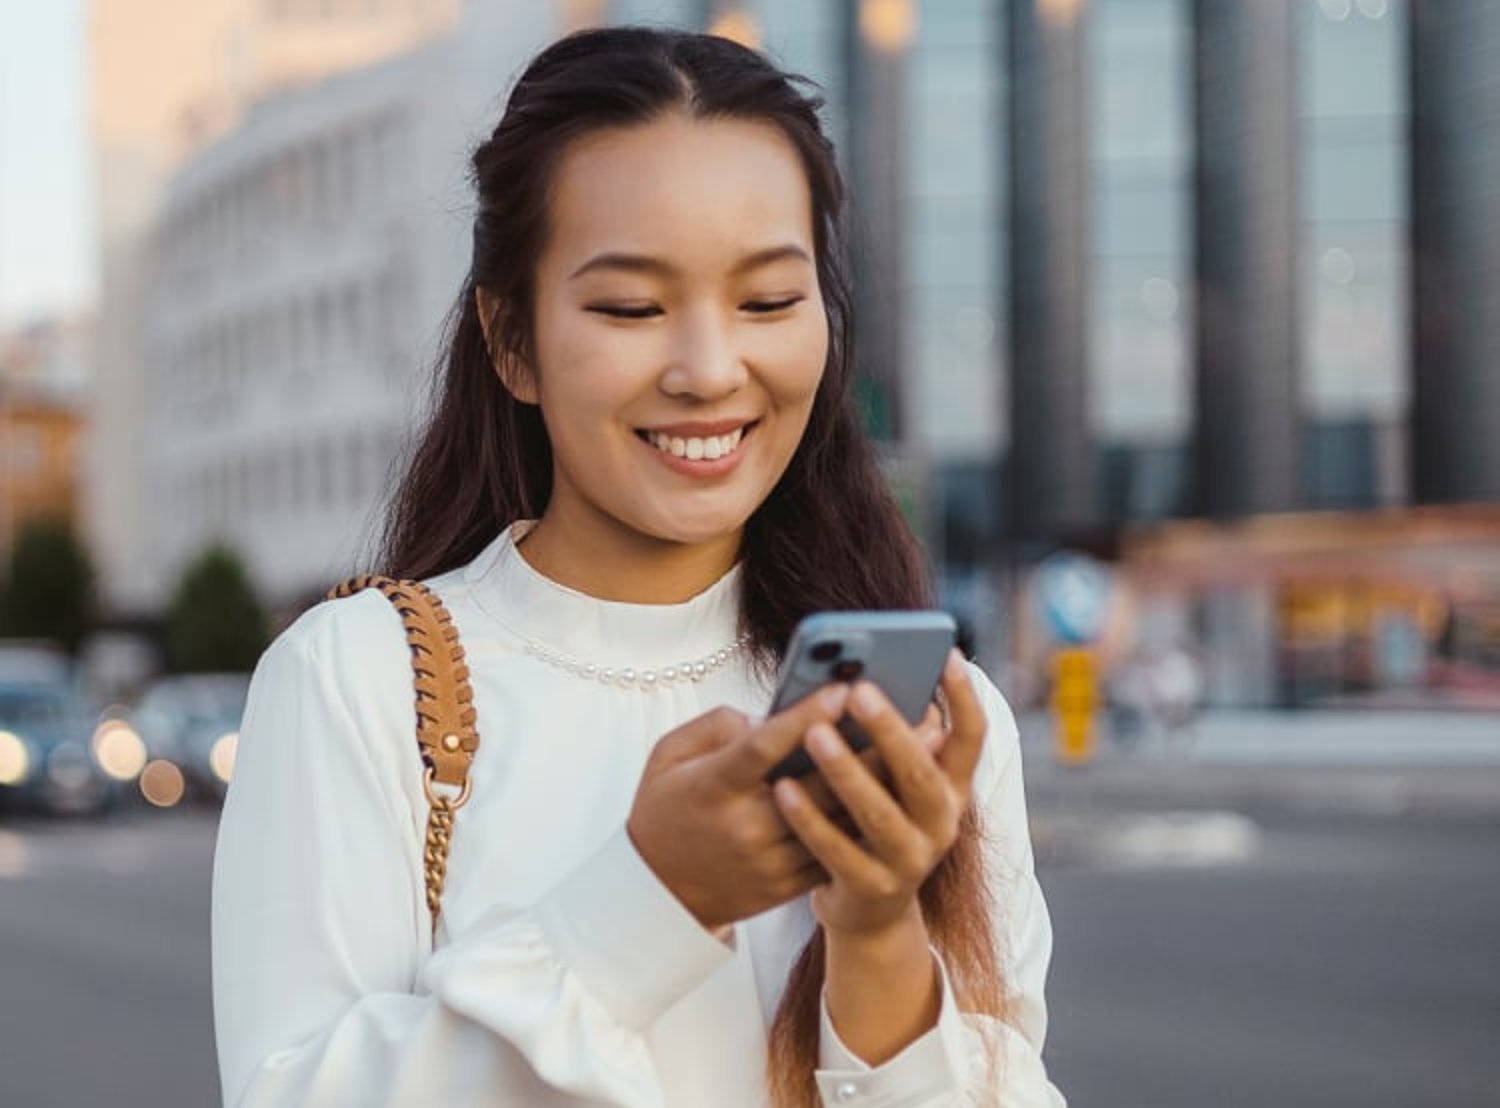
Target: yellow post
{"type": "Point", "coordinates": [1075, 698]}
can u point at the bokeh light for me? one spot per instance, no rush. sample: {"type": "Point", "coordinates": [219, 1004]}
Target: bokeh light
{"type": "Point", "coordinates": [119, 750]}
{"type": "Point", "coordinates": [888, 25]}
{"type": "Point", "coordinates": [1159, 297]}
{"type": "Point", "coordinates": [737, 27]}
{"type": "Point", "coordinates": [221, 757]}
{"type": "Point", "coordinates": [14, 760]}
{"type": "Point", "coordinates": [162, 783]}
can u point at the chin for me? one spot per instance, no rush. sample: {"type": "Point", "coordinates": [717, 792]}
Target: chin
{"type": "Point", "coordinates": [700, 530]}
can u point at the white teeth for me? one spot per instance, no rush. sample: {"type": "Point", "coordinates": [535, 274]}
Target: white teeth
{"type": "Point", "coordinates": [711, 448]}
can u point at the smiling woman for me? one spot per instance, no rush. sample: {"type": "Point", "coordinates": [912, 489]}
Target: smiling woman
{"type": "Point", "coordinates": [674, 385]}
{"type": "Point", "coordinates": [643, 468]}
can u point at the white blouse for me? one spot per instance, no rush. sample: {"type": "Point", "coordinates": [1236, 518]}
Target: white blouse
{"type": "Point", "coordinates": [565, 974]}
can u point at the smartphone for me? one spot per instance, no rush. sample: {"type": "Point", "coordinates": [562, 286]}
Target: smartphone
{"type": "Point", "coordinates": [903, 652]}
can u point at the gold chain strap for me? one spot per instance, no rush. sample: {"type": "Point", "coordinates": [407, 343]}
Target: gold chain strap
{"type": "Point", "coordinates": [446, 735]}
{"type": "Point", "coordinates": [435, 855]}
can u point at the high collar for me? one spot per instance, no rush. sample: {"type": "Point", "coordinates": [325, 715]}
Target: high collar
{"type": "Point", "coordinates": [606, 632]}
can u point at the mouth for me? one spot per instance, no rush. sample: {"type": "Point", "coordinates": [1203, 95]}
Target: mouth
{"type": "Point", "coordinates": [693, 448]}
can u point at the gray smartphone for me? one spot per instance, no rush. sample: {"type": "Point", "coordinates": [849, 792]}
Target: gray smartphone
{"type": "Point", "coordinates": [903, 652]}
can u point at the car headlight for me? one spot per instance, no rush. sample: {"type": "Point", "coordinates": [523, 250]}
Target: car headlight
{"type": "Point", "coordinates": [15, 759]}
{"type": "Point", "coordinates": [221, 755]}
{"type": "Point", "coordinates": [119, 750]}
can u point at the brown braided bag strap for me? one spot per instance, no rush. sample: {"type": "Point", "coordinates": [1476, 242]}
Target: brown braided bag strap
{"type": "Point", "coordinates": [446, 736]}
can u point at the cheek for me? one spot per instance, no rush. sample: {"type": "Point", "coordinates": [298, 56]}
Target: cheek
{"type": "Point", "coordinates": [585, 375]}
{"type": "Point", "coordinates": [794, 361]}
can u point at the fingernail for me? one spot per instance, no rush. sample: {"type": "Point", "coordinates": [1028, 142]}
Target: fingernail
{"type": "Point", "coordinates": [866, 698]}
{"type": "Point", "coordinates": [823, 742]}
{"type": "Point", "coordinates": [954, 667]}
{"type": "Point", "coordinates": [833, 697]}
{"type": "Point", "coordinates": [787, 793]}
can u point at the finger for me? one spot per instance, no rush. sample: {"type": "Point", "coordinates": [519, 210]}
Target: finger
{"type": "Point", "coordinates": [747, 761]}
{"type": "Point", "coordinates": [823, 796]}
{"type": "Point", "coordinates": [923, 788]}
{"type": "Point", "coordinates": [787, 859]}
{"type": "Point", "coordinates": [831, 806]}
{"type": "Point", "coordinates": [701, 735]}
{"type": "Point", "coordinates": [839, 855]}
{"type": "Point", "coordinates": [960, 753]}
{"type": "Point", "coordinates": [883, 825]}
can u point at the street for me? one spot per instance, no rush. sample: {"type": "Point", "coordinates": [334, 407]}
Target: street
{"type": "Point", "coordinates": [1345, 962]}
{"type": "Point", "coordinates": [104, 963]}
{"type": "Point", "coordinates": [1280, 959]}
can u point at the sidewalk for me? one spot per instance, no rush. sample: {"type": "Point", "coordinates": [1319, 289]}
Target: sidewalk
{"type": "Point", "coordinates": [1372, 763]}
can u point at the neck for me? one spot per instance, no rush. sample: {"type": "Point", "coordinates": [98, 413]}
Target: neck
{"type": "Point", "coordinates": [627, 566]}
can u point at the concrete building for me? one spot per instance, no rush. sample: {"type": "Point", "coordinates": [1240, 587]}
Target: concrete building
{"type": "Point", "coordinates": [1052, 487]}
{"type": "Point", "coordinates": [283, 329]}
{"type": "Point", "coordinates": [1455, 181]}
{"type": "Point", "coordinates": [307, 260]}
{"type": "Point", "coordinates": [167, 77]}
{"type": "Point", "coordinates": [1245, 446]}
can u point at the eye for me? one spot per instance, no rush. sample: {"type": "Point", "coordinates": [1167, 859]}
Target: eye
{"type": "Point", "coordinates": [766, 307]}
{"type": "Point", "coordinates": [625, 311]}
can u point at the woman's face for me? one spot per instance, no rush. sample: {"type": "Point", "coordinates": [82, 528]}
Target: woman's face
{"type": "Point", "coordinates": [680, 332]}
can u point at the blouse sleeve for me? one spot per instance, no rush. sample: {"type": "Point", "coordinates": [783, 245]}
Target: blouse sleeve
{"type": "Point", "coordinates": [324, 993]}
{"type": "Point", "coordinates": [950, 1066]}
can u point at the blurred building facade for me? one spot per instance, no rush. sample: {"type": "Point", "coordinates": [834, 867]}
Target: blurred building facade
{"type": "Point", "coordinates": [281, 328]}
{"type": "Point", "coordinates": [306, 262]}
{"type": "Point", "coordinates": [165, 78]}
{"type": "Point", "coordinates": [1127, 261]}
{"type": "Point", "coordinates": [45, 371]}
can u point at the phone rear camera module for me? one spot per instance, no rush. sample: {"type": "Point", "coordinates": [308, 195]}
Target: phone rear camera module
{"type": "Point", "coordinates": [848, 670]}
{"type": "Point", "coordinates": [827, 651]}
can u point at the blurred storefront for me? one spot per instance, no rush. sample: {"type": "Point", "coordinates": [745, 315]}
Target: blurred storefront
{"type": "Point", "coordinates": [1397, 607]}
{"type": "Point", "coordinates": [44, 371]}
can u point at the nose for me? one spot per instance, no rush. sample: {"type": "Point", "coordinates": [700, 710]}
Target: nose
{"type": "Point", "coordinates": [705, 361]}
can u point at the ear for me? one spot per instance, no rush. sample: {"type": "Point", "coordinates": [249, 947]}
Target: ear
{"type": "Point", "coordinates": [514, 374]}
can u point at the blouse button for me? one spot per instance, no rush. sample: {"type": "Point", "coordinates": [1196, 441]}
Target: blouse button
{"type": "Point", "coordinates": [846, 1092]}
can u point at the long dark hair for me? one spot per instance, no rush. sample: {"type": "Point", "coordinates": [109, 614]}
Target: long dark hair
{"type": "Point", "coordinates": [828, 537]}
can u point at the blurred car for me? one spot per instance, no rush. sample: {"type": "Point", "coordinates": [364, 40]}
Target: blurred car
{"type": "Point", "coordinates": [48, 761]}
{"type": "Point", "coordinates": [33, 662]}
{"type": "Point", "coordinates": [191, 722]}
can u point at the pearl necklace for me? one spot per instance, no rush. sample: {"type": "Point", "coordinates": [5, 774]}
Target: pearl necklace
{"type": "Point", "coordinates": [643, 679]}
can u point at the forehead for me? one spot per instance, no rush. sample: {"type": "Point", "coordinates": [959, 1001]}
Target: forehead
{"type": "Point", "coordinates": [680, 186]}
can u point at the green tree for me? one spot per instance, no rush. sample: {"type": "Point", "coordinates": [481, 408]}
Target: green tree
{"type": "Point", "coordinates": [49, 591]}
{"type": "Point", "coordinates": [215, 622]}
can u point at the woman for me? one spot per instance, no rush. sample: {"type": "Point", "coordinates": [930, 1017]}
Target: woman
{"type": "Point", "coordinates": [643, 463]}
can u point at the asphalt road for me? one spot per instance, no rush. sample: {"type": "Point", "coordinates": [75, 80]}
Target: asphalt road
{"type": "Point", "coordinates": [1203, 961]}
{"type": "Point", "coordinates": [1353, 962]}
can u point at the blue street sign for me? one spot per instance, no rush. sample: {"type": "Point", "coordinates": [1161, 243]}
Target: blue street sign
{"type": "Point", "coordinates": [1074, 592]}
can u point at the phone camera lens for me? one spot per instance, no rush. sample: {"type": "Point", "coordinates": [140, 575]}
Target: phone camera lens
{"type": "Point", "coordinates": [827, 651]}
{"type": "Point", "coordinates": [848, 669]}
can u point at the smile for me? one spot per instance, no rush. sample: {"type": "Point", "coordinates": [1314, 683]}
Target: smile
{"type": "Point", "coordinates": [694, 447]}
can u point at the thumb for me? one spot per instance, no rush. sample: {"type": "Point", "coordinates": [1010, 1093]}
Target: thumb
{"type": "Point", "coordinates": [698, 737]}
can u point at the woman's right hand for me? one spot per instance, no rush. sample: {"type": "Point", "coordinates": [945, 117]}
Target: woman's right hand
{"type": "Point", "coordinates": [704, 819]}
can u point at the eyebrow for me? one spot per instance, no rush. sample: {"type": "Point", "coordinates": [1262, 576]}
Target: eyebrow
{"type": "Point", "coordinates": [644, 263]}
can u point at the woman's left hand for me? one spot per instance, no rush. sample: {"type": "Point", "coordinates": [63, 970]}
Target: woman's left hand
{"type": "Point", "coordinates": [905, 828]}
